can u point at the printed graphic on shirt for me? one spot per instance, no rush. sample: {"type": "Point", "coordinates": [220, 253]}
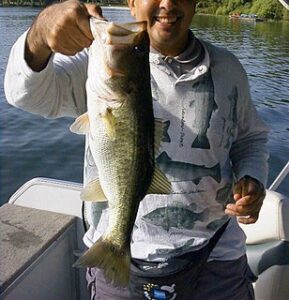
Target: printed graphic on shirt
{"type": "Point", "coordinates": [166, 138]}
{"type": "Point", "coordinates": [232, 116]}
{"type": "Point", "coordinates": [214, 225]}
{"type": "Point", "coordinates": [224, 195]}
{"type": "Point", "coordinates": [176, 217]}
{"type": "Point", "coordinates": [178, 250]}
{"type": "Point", "coordinates": [157, 266]}
{"type": "Point", "coordinates": [203, 105]}
{"type": "Point", "coordinates": [181, 171]}
{"type": "Point", "coordinates": [154, 292]}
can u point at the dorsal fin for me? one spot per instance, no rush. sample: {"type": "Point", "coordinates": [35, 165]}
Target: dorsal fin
{"type": "Point", "coordinates": [160, 184]}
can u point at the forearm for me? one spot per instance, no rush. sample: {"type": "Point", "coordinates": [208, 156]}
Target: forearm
{"type": "Point", "coordinates": [58, 90]}
{"type": "Point", "coordinates": [249, 156]}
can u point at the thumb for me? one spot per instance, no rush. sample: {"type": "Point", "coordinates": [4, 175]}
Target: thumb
{"type": "Point", "coordinates": [237, 190]}
{"type": "Point", "coordinates": [94, 10]}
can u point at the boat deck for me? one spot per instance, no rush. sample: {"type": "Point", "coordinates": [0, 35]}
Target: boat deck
{"type": "Point", "coordinates": [27, 235]}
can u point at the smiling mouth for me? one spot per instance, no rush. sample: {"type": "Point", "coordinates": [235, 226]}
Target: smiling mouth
{"type": "Point", "coordinates": [166, 20]}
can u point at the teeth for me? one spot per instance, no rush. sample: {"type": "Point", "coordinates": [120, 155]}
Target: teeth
{"type": "Point", "coordinates": [166, 20]}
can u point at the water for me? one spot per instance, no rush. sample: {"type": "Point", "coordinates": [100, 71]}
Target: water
{"type": "Point", "coordinates": [31, 146]}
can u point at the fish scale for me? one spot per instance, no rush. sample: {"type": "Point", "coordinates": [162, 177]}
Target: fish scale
{"type": "Point", "coordinates": [122, 156]}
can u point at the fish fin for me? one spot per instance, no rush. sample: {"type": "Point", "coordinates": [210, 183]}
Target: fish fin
{"type": "Point", "coordinates": [197, 180]}
{"type": "Point", "coordinates": [202, 142]}
{"type": "Point", "coordinates": [114, 261]}
{"type": "Point", "coordinates": [160, 184]}
{"type": "Point", "coordinates": [80, 125]}
{"type": "Point", "coordinates": [109, 123]}
{"type": "Point", "coordinates": [93, 192]}
{"type": "Point", "coordinates": [216, 173]}
{"type": "Point", "coordinates": [159, 131]}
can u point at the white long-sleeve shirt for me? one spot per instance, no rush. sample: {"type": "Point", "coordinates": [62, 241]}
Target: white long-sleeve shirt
{"type": "Point", "coordinates": [213, 136]}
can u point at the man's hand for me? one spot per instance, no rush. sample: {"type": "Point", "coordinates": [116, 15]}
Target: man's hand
{"type": "Point", "coordinates": [62, 28]}
{"type": "Point", "coordinates": [249, 195]}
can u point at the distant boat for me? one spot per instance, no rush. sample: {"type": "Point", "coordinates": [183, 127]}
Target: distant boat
{"type": "Point", "coordinates": [285, 3]}
{"type": "Point", "coordinates": [250, 17]}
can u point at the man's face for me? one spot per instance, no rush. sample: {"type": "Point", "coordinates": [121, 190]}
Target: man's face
{"type": "Point", "coordinates": [168, 22]}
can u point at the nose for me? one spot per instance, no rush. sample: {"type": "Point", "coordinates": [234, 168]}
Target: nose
{"type": "Point", "coordinates": [168, 4]}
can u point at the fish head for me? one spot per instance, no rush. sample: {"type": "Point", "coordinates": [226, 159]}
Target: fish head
{"type": "Point", "coordinates": [127, 49]}
{"type": "Point", "coordinates": [124, 49]}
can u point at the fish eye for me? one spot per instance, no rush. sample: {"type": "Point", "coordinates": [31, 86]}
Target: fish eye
{"type": "Point", "coordinates": [139, 48]}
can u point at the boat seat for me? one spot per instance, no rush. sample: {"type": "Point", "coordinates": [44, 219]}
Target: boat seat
{"type": "Point", "coordinates": [267, 239]}
{"type": "Point", "coordinates": [268, 248]}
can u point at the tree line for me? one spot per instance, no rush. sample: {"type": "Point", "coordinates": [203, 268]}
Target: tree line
{"type": "Point", "coordinates": [270, 9]}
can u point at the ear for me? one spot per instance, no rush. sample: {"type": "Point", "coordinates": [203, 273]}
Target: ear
{"type": "Point", "coordinates": [131, 6]}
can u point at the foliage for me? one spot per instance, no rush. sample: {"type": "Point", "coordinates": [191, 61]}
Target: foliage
{"type": "Point", "coordinates": [270, 9]}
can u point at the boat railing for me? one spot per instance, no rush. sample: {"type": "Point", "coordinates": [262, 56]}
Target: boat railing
{"type": "Point", "coordinates": [280, 177]}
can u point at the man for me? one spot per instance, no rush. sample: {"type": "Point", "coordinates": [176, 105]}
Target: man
{"type": "Point", "coordinates": [215, 144]}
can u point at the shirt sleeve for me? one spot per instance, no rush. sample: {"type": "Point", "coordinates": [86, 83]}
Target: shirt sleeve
{"type": "Point", "coordinates": [56, 91]}
{"type": "Point", "coordinates": [249, 152]}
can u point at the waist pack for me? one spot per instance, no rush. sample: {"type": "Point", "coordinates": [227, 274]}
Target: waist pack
{"type": "Point", "coordinates": [174, 279]}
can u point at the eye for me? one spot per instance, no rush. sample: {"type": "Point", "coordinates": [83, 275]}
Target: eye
{"type": "Point", "coordinates": [139, 48]}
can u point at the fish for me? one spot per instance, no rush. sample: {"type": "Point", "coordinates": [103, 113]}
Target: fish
{"type": "Point", "coordinates": [177, 171]}
{"type": "Point", "coordinates": [224, 195]}
{"type": "Point", "coordinates": [232, 116]}
{"type": "Point", "coordinates": [175, 217]}
{"type": "Point", "coordinates": [203, 105]}
{"type": "Point", "coordinates": [124, 138]}
{"type": "Point", "coordinates": [214, 225]}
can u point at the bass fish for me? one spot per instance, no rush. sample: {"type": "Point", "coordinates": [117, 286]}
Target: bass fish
{"type": "Point", "coordinates": [123, 137]}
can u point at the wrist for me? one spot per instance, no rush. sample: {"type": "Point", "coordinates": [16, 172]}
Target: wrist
{"type": "Point", "coordinates": [257, 182]}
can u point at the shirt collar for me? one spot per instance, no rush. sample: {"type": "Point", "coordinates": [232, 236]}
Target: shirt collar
{"type": "Point", "coordinates": [184, 57]}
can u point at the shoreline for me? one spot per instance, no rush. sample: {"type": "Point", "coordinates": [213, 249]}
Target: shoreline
{"type": "Point", "coordinates": [115, 7]}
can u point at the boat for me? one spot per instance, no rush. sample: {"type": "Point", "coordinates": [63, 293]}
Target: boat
{"type": "Point", "coordinates": [285, 3]}
{"type": "Point", "coordinates": [234, 16]}
{"type": "Point", "coordinates": [41, 237]}
{"type": "Point", "coordinates": [248, 17]}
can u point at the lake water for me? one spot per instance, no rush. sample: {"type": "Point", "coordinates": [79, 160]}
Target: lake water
{"type": "Point", "coordinates": [31, 146]}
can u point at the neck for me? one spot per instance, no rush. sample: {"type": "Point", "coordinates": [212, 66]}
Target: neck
{"type": "Point", "coordinates": [173, 49]}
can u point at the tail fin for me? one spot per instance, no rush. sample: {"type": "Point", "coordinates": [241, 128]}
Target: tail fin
{"type": "Point", "coordinates": [201, 141]}
{"type": "Point", "coordinates": [216, 172]}
{"type": "Point", "coordinates": [104, 255]}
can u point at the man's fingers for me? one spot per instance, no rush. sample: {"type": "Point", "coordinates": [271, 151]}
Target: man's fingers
{"type": "Point", "coordinates": [247, 200]}
{"type": "Point", "coordinates": [235, 212]}
{"type": "Point", "coordinates": [79, 40]}
{"type": "Point", "coordinates": [82, 21]}
{"type": "Point", "coordinates": [247, 208]}
{"type": "Point", "coordinates": [248, 220]}
{"type": "Point", "coordinates": [237, 189]}
{"type": "Point", "coordinates": [237, 197]}
{"type": "Point", "coordinates": [94, 10]}
{"type": "Point", "coordinates": [90, 10]}
{"type": "Point", "coordinates": [243, 218]}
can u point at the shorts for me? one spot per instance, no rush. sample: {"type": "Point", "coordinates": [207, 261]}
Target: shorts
{"type": "Point", "coordinates": [218, 280]}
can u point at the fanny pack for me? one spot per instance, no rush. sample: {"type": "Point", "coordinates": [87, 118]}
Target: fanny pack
{"type": "Point", "coordinates": [174, 279]}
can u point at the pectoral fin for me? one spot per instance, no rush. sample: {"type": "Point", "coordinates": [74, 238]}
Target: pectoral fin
{"type": "Point", "coordinates": [109, 123]}
{"type": "Point", "coordinates": [80, 125]}
{"type": "Point", "coordinates": [160, 184]}
{"type": "Point", "coordinates": [93, 192]}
